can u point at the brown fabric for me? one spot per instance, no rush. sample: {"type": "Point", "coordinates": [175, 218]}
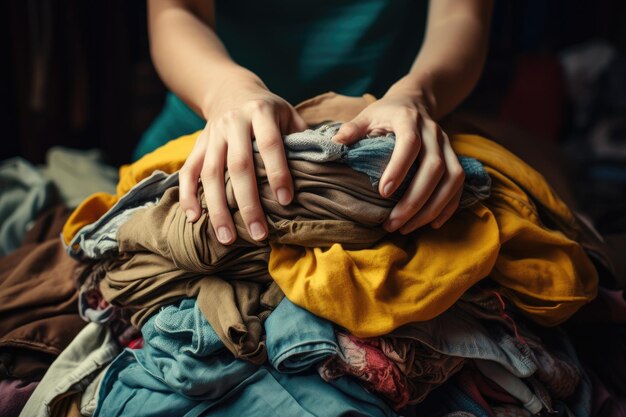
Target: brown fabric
{"type": "Point", "coordinates": [66, 405]}
{"type": "Point", "coordinates": [48, 225]}
{"type": "Point", "coordinates": [164, 257]}
{"type": "Point", "coordinates": [332, 106]}
{"type": "Point", "coordinates": [38, 307]}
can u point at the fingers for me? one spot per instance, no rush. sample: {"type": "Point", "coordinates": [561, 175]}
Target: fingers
{"type": "Point", "coordinates": [448, 210]}
{"type": "Point", "coordinates": [406, 149]}
{"type": "Point", "coordinates": [353, 131]}
{"type": "Point", "coordinates": [188, 178]}
{"type": "Point", "coordinates": [212, 178]}
{"type": "Point", "coordinates": [272, 152]}
{"type": "Point", "coordinates": [243, 177]}
{"type": "Point", "coordinates": [430, 171]}
{"type": "Point", "coordinates": [296, 123]}
{"type": "Point", "coordinates": [445, 199]}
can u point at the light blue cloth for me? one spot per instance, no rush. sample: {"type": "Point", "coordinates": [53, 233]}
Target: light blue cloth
{"type": "Point", "coordinates": [98, 239]}
{"type": "Point", "coordinates": [184, 370]}
{"type": "Point", "coordinates": [456, 333]}
{"type": "Point", "coordinates": [297, 339]}
{"type": "Point", "coordinates": [24, 193]}
{"type": "Point", "coordinates": [371, 155]}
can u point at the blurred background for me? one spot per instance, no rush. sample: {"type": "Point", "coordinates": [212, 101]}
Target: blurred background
{"type": "Point", "coordinates": [78, 74]}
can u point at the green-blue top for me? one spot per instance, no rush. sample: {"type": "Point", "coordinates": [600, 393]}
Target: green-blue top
{"type": "Point", "coordinates": [307, 47]}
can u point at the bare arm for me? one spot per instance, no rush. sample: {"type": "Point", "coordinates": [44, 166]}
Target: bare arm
{"type": "Point", "coordinates": [452, 55]}
{"type": "Point", "coordinates": [237, 105]}
{"type": "Point", "coordinates": [445, 71]}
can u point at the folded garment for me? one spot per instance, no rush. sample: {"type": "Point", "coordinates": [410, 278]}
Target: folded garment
{"type": "Point", "coordinates": [38, 308]}
{"type": "Point", "coordinates": [184, 370]}
{"type": "Point", "coordinates": [369, 156]}
{"type": "Point", "coordinates": [168, 257]}
{"type": "Point", "coordinates": [523, 237]}
{"type": "Point", "coordinates": [75, 368]}
{"type": "Point", "coordinates": [296, 339]}
{"type": "Point", "coordinates": [99, 238]}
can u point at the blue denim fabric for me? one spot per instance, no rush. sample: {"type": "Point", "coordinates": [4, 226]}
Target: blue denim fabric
{"type": "Point", "coordinates": [96, 240]}
{"type": "Point", "coordinates": [297, 339]}
{"type": "Point", "coordinates": [371, 155]}
{"type": "Point", "coordinates": [183, 370]}
{"type": "Point", "coordinates": [455, 333]}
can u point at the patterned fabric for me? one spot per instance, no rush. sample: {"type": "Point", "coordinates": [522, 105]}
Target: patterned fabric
{"type": "Point", "coordinates": [400, 370]}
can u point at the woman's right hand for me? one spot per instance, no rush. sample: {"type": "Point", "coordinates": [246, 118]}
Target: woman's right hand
{"type": "Point", "coordinates": [237, 112]}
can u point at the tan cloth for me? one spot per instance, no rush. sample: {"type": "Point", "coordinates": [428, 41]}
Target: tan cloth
{"type": "Point", "coordinates": [164, 257]}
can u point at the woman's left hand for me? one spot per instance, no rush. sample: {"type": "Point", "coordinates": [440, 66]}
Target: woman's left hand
{"type": "Point", "coordinates": [435, 192]}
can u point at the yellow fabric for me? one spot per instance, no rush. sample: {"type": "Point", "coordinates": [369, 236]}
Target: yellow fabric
{"type": "Point", "coordinates": [544, 273]}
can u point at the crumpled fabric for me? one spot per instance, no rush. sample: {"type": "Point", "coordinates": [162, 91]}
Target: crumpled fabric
{"type": "Point", "coordinates": [523, 237]}
{"type": "Point", "coordinates": [184, 370]}
{"type": "Point", "coordinates": [25, 193]}
{"type": "Point", "coordinates": [400, 370]}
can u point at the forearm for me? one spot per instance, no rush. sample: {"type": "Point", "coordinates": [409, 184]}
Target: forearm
{"type": "Point", "coordinates": [450, 61]}
{"type": "Point", "coordinates": [188, 55]}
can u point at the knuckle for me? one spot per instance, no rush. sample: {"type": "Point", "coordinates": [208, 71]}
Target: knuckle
{"type": "Point", "coordinates": [249, 211]}
{"type": "Point", "coordinates": [238, 165]}
{"type": "Point", "coordinates": [259, 105]}
{"type": "Point", "coordinates": [210, 171]}
{"type": "Point", "coordinates": [411, 139]}
{"type": "Point", "coordinates": [230, 117]}
{"type": "Point", "coordinates": [269, 143]}
{"type": "Point", "coordinates": [409, 113]}
{"type": "Point", "coordinates": [187, 200]}
{"type": "Point", "coordinates": [435, 165]}
{"type": "Point", "coordinates": [218, 213]}
{"type": "Point", "coordinates": [278, 175]}
{"type": "Point", "coordinates": [457, 173]}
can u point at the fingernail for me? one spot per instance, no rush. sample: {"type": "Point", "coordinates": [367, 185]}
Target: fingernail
{"type": "Point", "coordinates": [387, 189]}
{"type": "Point", "coordinates": [257, 231]}
{"type": "Point", "coordinates": [283, 195]}
{"type": "Point", "coordinates": [190, 215]}
{"type": "Point", "coordinates": [223, 234]}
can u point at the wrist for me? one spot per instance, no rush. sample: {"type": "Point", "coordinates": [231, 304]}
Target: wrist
{"type": "Point", "coordinates": [418, 88]}
{"type": "Point", "coordinates": [235, 78]}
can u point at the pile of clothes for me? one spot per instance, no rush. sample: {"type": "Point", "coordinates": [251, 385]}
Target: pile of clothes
{"type": "Point", "coordinates": [331, 315]}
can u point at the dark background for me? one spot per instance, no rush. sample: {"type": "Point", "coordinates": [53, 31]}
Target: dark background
{"type": "Point", "coordinates": [78, 73]}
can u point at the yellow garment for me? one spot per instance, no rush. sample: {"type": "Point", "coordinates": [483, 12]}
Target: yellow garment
{"type": "Point", "coordinates": [544, 273]}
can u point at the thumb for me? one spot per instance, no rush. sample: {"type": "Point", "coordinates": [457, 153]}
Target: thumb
{"type": "Point", "coordinates": [352, 131]}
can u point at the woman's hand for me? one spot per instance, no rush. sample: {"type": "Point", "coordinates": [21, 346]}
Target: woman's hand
{"type": "Point", "coordinates": [237, 112]}
{"type": "Point", "coordinates": [435, 192]}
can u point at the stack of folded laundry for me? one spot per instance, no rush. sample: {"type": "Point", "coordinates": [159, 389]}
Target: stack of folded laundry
{"type": "Point", "coordinates": [331, 315]}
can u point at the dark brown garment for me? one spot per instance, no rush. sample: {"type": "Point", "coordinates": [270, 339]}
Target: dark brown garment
{"type": "Point", "coordinates": [164, 257]}
{"type": "Point", "coordinates": [48, 225]}
{"type": "Point", "coordinates": [38, 308]}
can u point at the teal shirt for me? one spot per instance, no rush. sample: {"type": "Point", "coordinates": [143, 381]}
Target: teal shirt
{"type": "Point", "coordinates": [304, 48]}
